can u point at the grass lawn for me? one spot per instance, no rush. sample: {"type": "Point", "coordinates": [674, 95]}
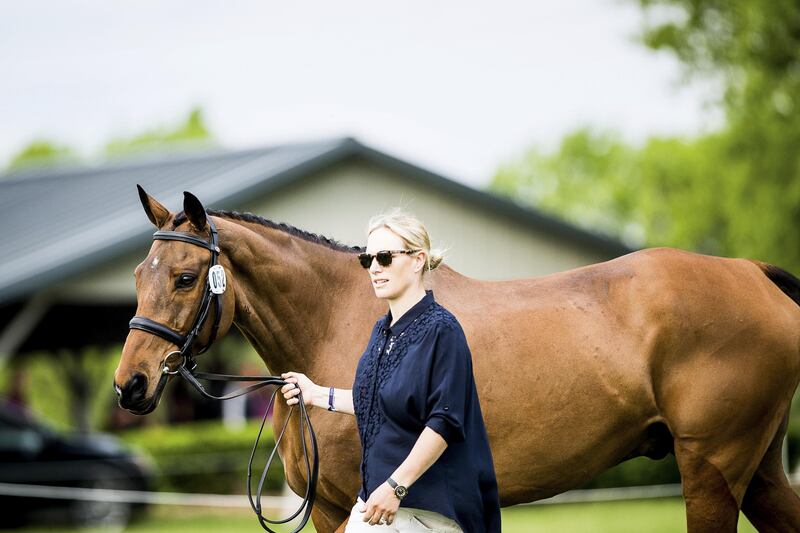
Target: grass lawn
{"type": "Point", "coordinates": [661, 515]}
{"type": "Point", "coordinates": [651, 516]}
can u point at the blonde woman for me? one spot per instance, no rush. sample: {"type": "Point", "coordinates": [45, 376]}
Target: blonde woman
{"type": "Point", "coordinates": [426, 463]}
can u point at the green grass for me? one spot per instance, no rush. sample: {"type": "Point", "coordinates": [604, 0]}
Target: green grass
{"type": "Point", "coordinates": [665, 515]}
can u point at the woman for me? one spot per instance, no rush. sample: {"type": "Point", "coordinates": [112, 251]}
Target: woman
{"type": "Point", "coordinates": [425, 463]}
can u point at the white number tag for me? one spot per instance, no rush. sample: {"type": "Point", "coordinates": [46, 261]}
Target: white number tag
{"type": "Point", "coordinates": [216, 279]}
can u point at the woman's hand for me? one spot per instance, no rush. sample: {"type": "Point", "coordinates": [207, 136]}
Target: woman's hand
{"type": "Point", "coordinates": [297, 383]}
{"type": "Point", "coordinates": [382, 504]}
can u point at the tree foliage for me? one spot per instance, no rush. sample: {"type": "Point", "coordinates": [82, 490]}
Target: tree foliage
{"type": "Point", "coordinates": [653, 193]}
{"type": "Point", "coordinates": [41, 152]}
{"type": "Point", "coordinates": [733, 192]}
{"type": "Point", "coordinates": [190, 132]}
{"type": "Point", "coordinates": [754, 48]}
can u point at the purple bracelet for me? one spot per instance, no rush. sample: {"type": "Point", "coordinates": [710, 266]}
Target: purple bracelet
{"type": "Point", "coordinates": [330, 400]}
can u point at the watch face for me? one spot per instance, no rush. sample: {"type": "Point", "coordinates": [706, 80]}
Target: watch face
{"type": "Point", "coordinates": [400, 491]}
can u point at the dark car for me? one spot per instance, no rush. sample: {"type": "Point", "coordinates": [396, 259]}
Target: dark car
{"type": "Point", "coordinates": [33, 454]}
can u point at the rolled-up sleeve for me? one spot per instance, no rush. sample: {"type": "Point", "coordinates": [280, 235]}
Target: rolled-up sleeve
{"type": "Point", "coordinates": [450, 375]}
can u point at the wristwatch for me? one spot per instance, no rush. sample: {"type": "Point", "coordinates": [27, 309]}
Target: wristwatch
{"type": "Point", "coordinates": [399, 490]}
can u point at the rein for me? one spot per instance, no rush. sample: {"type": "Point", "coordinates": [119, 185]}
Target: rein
{"type": "Point", "coordinates": [182, 362]}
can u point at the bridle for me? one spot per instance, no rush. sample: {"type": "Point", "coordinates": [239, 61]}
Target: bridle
{"type": "Point", "coordinates": [216, 286]}
{"type": "Point", "coordinates": [182, 361]}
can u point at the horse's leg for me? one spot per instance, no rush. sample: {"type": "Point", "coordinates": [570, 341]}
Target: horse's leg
{"type": "Point", "coordinates": [719, 448]}
{"type": "Point", "coordinates": [770, 503]}
{"type": "Point", "coordinates": [326, 516]}
{"type": "Point", "coordinates": [724, 405]}
{"type": "Point", "coordinates": [710, 506]}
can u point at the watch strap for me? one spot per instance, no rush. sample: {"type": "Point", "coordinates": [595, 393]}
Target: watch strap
{"type": "Point", "coordinates": [399, 490]}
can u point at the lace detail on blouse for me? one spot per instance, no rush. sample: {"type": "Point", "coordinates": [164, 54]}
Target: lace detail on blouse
{"type": "Point", "coordinates": [377, 365]}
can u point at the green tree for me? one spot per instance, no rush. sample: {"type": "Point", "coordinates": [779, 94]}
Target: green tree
{"type": "Point", "coordinates": [666, 192]}
{"type": "Point", "coordinates": [753, 48]}
{"type": "Point", "coordinates": [191, 132]}
{"type": "Point", "coordinates": [733, 192]}
{"type": "Point", "coordinates": [70, 389]}
{"type": "Point", "coordinates": [41, 152]}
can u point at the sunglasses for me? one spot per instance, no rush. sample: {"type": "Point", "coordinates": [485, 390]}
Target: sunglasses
{"type": "Point", "coordinates": [384, 257]}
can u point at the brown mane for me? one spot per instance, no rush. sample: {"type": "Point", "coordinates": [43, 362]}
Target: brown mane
{"type": "Point", "coordinates": [333, 244]}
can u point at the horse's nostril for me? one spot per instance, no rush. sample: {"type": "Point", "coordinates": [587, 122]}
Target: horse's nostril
{"type": "Point", "coordinates": [133, 391]}
{"type": "Point", "coordinates": [138, 384]}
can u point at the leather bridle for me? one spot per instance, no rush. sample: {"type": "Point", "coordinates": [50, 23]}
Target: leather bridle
{"type": "Point", "coordinates": [182, 362]}
{"type": "Point", "coordinates": [185, 342]}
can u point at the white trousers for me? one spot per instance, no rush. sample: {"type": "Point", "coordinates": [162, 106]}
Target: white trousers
{"type": "Point", "coordinates": [407, 520]}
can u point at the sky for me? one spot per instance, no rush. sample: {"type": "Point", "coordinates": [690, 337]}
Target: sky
{"type": "Point", "coordinates": [458, 87]}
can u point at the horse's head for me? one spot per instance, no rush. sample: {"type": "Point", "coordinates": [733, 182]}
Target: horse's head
{"type": "Point", "coordinates": [172, 289]}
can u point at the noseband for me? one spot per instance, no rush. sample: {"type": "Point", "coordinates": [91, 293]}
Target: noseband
{"type": "Point", "coordinates": [182, 362]}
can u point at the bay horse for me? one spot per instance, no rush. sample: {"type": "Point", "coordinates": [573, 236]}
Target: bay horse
{"type": "Point", "coordinates": [658, 351]}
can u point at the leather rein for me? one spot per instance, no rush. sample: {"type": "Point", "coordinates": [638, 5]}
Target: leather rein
{"type": "Point", "coordinates": [182, 362]}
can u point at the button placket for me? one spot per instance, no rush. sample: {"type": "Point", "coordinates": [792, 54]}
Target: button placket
{"type": "Point", "coordinates": [381, 358]}
{"type": "Point", "coordinates": [393, 340]}
{"type": "Point", "coordinates": [372, 402]}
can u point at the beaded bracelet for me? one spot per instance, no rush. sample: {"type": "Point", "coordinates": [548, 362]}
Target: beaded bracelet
{"type": "Point", "coordinates": [330, 400]}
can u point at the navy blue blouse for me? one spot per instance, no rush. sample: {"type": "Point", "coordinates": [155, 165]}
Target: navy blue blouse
{"type": "Point", "coordinates": [418, 373]}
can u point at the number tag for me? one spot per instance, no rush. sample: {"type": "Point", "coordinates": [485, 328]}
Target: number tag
{"type": "Point", "coordinates": [216, 279]}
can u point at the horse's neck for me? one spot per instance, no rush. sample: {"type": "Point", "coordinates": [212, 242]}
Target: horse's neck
{"type": "Point", "coordinates": [294, 298]}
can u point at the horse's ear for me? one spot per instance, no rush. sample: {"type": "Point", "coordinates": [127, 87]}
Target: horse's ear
{"type": "Point", "coordinates": [157, 213]}
{"type": "Point", "coordinates": [194, 211]}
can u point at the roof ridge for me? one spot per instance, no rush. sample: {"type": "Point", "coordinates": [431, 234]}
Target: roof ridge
{"type": "Point", "coordinates": [151, 159]}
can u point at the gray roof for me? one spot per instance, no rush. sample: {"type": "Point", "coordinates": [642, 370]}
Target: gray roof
{"type": "Point", "coordinates": [58, 222]}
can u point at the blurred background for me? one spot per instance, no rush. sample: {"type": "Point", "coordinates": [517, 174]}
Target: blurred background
{"type": "Point", "coordinates": [552, 134]}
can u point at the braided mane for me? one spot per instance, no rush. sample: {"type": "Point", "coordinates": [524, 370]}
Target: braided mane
{"type": "Point", "coordinates": [333, 244]}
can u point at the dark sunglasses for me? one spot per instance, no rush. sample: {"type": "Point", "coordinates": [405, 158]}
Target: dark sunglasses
{"type": "Point", "coordinates": [384, 257]}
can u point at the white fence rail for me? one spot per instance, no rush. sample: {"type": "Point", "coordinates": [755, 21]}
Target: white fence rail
{"type": "Point", "coordinates": [139, 496]}
{"type": "Point", "coordinates": [613, 494]}
{"type": "Point", "coordinates": [290, 499]}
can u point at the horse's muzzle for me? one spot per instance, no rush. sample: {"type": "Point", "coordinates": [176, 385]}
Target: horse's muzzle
{"type": "Point", "coordinates": [132, 395]}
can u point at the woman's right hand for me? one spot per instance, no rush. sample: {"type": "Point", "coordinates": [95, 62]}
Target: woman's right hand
{"type": "Point", "coordinates": [297, 383]}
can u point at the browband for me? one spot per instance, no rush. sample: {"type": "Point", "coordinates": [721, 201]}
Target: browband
{"type": "Point", "coordinates": [191, 239]}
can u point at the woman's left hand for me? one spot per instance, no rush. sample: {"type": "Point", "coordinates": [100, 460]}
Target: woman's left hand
{"type": "Point", "coordinates": [382, 503]}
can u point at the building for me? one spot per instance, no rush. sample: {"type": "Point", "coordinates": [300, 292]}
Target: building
{"type": "Point", "coordinates": [73, 236]}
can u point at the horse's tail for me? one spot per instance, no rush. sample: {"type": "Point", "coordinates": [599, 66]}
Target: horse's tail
{"type": "Point", "coordinates": [785, 281]}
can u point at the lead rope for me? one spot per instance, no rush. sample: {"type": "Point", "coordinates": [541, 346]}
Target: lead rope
{"type": "Point", "coordinates": [305, 427]}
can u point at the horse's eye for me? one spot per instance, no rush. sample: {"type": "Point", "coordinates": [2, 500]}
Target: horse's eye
{"type": "Point", "coordinates": [185, 280]}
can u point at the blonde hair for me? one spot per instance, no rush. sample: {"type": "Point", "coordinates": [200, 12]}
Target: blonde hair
{"type": "Point", "coordinates": [411, 230]}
